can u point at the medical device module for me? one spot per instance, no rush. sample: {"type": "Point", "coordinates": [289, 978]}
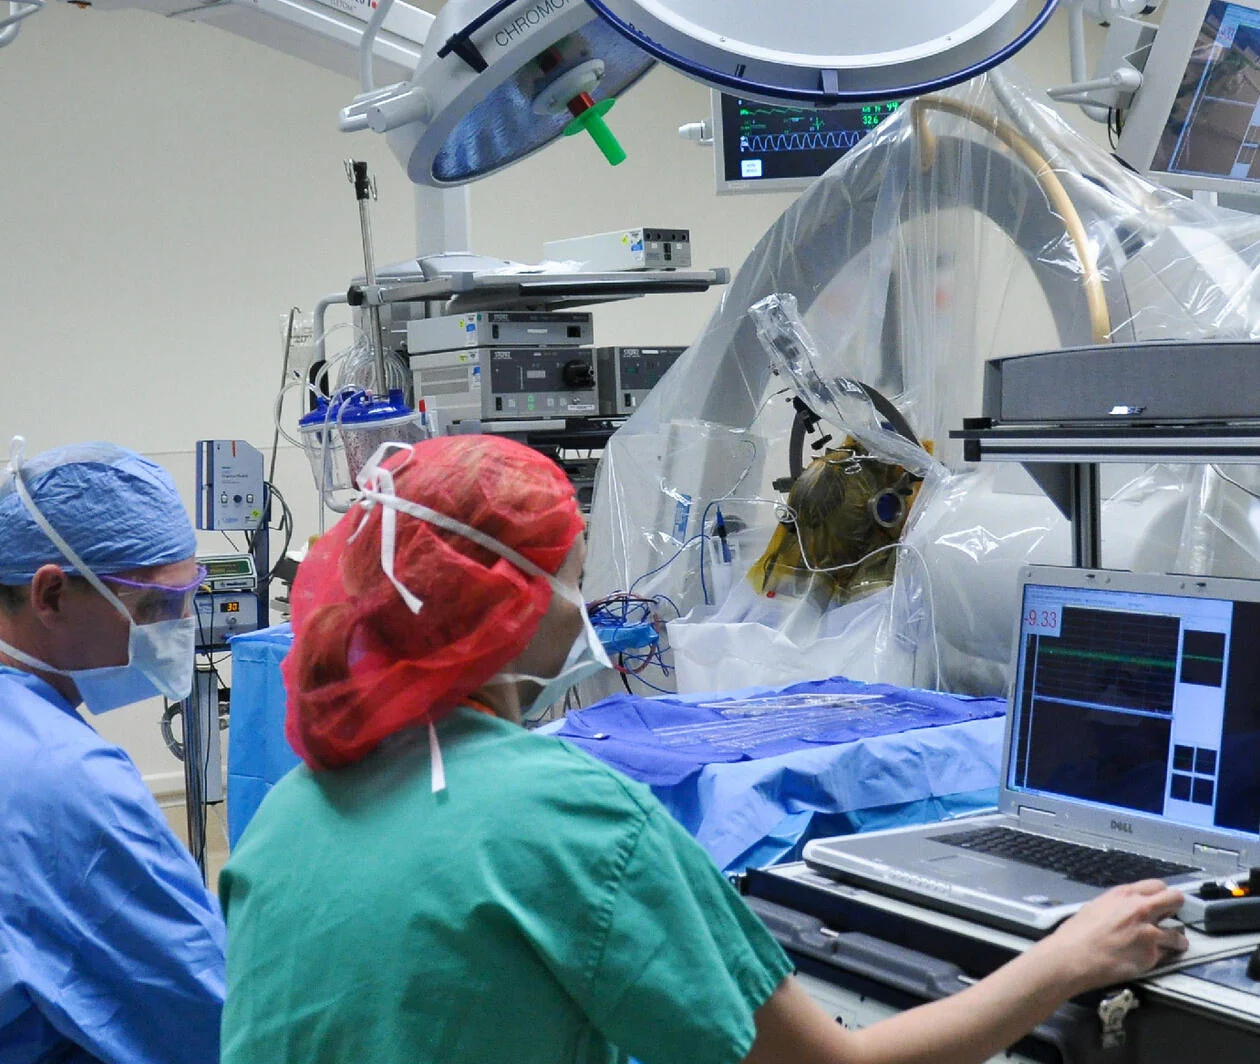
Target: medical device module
{"type": "Point", "coordinates": [233, 494]}
{"type": "Point", "coordinates": [490, 383]}
{"type": "Point", "coordinates": [628, 374]}
{"type": "Point", "coordinates": [499, 328]}
{"type": "Point", "coordinates": [636, 248]}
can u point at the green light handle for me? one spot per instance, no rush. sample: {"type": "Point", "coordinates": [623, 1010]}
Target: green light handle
{"type": "Point", "coordinates": [592, 122]}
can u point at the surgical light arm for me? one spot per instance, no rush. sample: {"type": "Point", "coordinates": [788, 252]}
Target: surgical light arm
{"type": "Point", "coordinates": [325, 34]}
{"type": "Point", "coordinates": [11, 23]}
{"type": "Point", "coordinates": [1118, 75]}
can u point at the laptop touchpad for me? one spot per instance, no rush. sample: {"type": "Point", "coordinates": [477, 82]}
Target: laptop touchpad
{"type": "Point", "coordinates": [960, 866]}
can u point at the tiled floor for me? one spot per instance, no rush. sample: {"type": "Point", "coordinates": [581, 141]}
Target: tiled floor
{"type": "Point", "coordinates": [216, 834]}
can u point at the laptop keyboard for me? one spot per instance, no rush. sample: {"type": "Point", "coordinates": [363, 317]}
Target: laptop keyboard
{"type": "Point", "coordinates": [1081, 864]}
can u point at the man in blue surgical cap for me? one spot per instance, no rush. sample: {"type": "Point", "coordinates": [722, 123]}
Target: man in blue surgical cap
{"type": "Point", "coordinates": [111, 950]}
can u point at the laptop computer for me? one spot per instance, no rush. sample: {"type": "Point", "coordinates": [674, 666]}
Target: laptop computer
{"type": "Point", "coordinates": [1132, 752]}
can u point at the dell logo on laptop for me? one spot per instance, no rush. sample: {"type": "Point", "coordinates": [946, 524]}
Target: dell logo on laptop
{"type": "Point", "coordinates": [1122, 825]}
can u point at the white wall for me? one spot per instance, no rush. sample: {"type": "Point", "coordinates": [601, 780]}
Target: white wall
{"type": "Point", "coordinates": [169, 191]}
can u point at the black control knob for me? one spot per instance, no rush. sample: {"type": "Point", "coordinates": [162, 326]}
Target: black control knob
{"type": "Point", "coordinates": [578, 374]}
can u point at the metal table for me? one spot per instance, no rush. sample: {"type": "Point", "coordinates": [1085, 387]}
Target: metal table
{"type": "Point", "coordinates": [466, 291]}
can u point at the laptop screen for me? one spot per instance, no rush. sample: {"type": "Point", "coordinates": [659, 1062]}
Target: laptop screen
{"type": "Point", "coordinates": [1139, 702]}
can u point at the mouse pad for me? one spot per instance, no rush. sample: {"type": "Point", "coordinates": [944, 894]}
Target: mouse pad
{"type": "Point", "coordinates": [1229, 971]}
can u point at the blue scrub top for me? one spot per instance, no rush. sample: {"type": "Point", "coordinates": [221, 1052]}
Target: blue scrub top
{"type": "Point", "coordinates": [111, 949]}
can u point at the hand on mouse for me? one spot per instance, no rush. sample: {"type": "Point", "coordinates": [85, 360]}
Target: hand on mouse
{"type": "Point", "coordinates": [1112, 939]}
{"type": "Point", "coordinates": [1116, 936]}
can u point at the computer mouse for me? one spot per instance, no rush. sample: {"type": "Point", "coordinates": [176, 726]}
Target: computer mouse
{"type": "Point", "coordinates": [1253, 965]}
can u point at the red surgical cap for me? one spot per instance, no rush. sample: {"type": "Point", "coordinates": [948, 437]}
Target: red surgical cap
{"type": "Point", "coordinates": [363, 665]}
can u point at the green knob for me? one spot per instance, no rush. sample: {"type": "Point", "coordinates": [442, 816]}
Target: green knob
{"type": "Point", "coordinates": [592, 121]}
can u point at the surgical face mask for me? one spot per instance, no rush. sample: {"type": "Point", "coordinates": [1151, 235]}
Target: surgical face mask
{"type": "Point", "coordinates": [159, 665]}
{"type": "Point", "coordinates": [159, 656]}
{"type": "Point", "coordinates": [587, 656]}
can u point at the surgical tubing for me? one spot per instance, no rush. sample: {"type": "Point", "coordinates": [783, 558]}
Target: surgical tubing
{"type": "Point", "coordinates": [1039, 166]}
{"type": "Point", "coordinates": [299, 382]}
{"type": "Point", "coordinates": [317, 322]}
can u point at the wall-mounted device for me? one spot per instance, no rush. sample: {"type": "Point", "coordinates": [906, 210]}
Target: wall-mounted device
{"type": "Point", "coordinates": [628, 374]}
{"type": "Point", "coordinates": [637, 248]}
{"type": "Point", "coordinates": [231, 490]}
{"type": "Point", "coordinates": [758, 147]}
{"type": "Point", "coordinates": [1195, 121]}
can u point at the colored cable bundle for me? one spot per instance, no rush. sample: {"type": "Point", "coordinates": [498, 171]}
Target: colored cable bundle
{"type": "Point", "coordinates": [622, 613]}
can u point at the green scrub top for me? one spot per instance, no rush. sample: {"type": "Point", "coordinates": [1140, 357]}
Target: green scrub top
{"type": "Point", "coordinates": [541, 909]}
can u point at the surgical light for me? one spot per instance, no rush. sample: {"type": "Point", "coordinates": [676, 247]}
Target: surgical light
{"type": "Point", "coordinates": [497, 82]}
{"type": "Point", "coordinates": [828, 54]}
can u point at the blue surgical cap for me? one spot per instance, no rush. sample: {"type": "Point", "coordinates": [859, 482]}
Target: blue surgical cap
{"type": "Point", "coordinates": [117, 510]}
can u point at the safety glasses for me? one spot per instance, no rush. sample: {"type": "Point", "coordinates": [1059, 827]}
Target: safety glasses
{"type": "Point", "coordinates": [150, 603]}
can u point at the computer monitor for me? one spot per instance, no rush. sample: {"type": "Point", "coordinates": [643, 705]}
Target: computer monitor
{"type": "Point", "coordinates": [1195, 122]}
{"type": "Point", "coordinates": [759, 147]}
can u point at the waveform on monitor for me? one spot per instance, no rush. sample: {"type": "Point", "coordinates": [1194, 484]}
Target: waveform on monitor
{"type": "Point", "coordinates": [823, 140]}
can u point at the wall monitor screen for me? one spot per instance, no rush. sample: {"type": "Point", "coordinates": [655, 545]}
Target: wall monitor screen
{"type": "Point", "coordinates": [761, 147]}
{"type": "Point", "coordinates": [1214, 127]}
